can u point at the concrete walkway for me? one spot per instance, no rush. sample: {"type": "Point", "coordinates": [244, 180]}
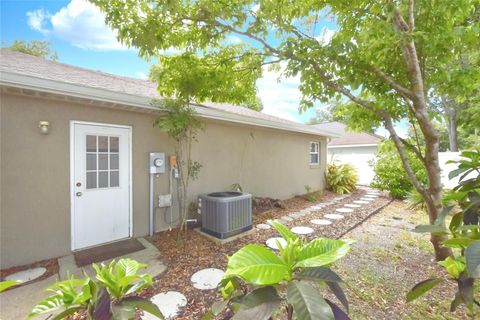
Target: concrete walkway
{"type": "Point", "coordinates": [17, 303]}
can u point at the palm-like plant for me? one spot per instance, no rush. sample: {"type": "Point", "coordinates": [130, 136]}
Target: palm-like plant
{"type": "Point", "coordinates": [107, 297]}
{"type": "Point", "coordinates": [258, 282]}
{"type": "Point", "coordinates": [341, 178]}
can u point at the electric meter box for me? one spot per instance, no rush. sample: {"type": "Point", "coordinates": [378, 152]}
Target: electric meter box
{"type": "Point", "coordinates": [157, 162]}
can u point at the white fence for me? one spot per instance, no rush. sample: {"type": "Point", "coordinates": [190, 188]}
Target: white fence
{"type": "Point", "coordinates": [359, 157]}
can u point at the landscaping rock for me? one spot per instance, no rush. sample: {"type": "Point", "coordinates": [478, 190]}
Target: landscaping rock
{"type": "Point", "coordinates": [321, 222]}
{"type": "Point", "coordinates": [334, 216]}
{"type": "Point", "coordinates": [263, 226]}
{"type": "Point", "coordinates": [27, 275]}
{"type": "Point", "coordinates": [350, 205]}
{"type": "Point", "coordinates": [169, 304]}
{"type": "Point", "coordinates": [344, 210]}
{"type": "Point", "coordinates": [207, 279]}
{"type": "Point", "coordinates": [302, 230]}
{"type": "Point", "coordinates": [272, 242]}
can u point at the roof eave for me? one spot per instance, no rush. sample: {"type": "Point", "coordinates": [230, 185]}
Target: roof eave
{"type": "Point", "coordinates": [141, 103]}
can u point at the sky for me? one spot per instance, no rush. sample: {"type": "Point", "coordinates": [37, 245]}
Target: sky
{"type": "Point", "coordinates": [77, 32]}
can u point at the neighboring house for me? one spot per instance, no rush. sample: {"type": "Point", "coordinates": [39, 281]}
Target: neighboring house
{"type": "Point", "coordinates": [86, 181]}
{"type": "Point", "coordinates": [356, 148]}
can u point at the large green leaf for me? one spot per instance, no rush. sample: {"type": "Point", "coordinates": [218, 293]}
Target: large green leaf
{"type": "Point", "coordinates": [459, 243]}
{"type": "Point", "coordinates": [307, 302]}
{"type": "Point", "coordinates": [258, 304]}
{"type": "Point", "coordinates": [4, 285]}
{"type": "Point", "coordinates": [143, 304]}
{"type": "Point", "coordinates": [49, 304]}
{"type": "Point", "coordinates": [283, 230]}
{"type": "Point", "coordinates": [421, 288]}
{"type": "Point", "coordinates": [338, 292]}
{"type": "Point", "coordinates": [319, 274]}
{"type": "Point", "coordinates": [472, 256]}
{"type": "Point", "coordinates": [322, 251]}
{"type": "Point", "coordinates": [257, 265]}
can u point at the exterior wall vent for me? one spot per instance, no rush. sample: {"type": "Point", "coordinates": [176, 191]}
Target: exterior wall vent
{"type": "Point", "coordinates": [225, 214]}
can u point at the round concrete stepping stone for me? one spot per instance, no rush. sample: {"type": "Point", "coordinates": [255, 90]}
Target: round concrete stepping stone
{"type": "Point", "coordinates": [321, 222]}
{"type": "Point", "coordinates": [169, 304]}
{"type": "Point", "coordinates": [27, 275]}
{"type": "Point", "coordinates": [287, 218]}
{"type": "Point", "coordinates": [361, 202]}
{"type": "Point", "coordinates": [351, 205]}
{"type": "Point", "coordinates": [272, 242]}
{"type": "Point", "coordinates": [333, 216]}
{"type": "Point", "coordinates": [370, 196]}
{"type": "Point", "coordinates": [263, 226]}
{"type": "Point", "coordinates": [295, 215]}
{"type": "Point", "coordinates": [344, 210]}
{"type": "Point", "coordinates": [207, 279]}
{"type": "Point", "coordinates": [367, 199]}
{"type": "Point", "coordinates": [302, 230]}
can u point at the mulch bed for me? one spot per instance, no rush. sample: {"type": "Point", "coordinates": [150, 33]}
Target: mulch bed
{"type": "Point", "coordinates": [199, 252]}
{"type": "Point", "coordinates": [50, 264]}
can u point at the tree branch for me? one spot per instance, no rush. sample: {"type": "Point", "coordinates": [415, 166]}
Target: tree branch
{"type": "Point", "coordinates": [404, 92]}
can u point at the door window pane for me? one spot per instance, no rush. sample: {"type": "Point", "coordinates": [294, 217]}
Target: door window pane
{"type": "Point", "coordinates": [91, 161]}
{"type": "Point", "coordinates": [113, 144]}
{"type": "Point", "coordinates": [103, 179]}
{"type": "Point", "coordinates": [113, 161]}
{"type": "Point", "coordinates": [102, 144]}
{"type": "Point", "coordinates": [91, 180]}
{"type": "Point", "coordinates": [103, 161]}
{"type": "Point", "coordinates": [91, 143]}
{"type": "Point", "coordinates": [114, 179]}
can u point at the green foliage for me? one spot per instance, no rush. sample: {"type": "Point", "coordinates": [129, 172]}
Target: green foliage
{"type": "Point", "coordinates": [389, 173]}
{"type": "Point", "coordinates": [4, 285]}
{"type": "Point", "coordinates": [34, 48]}
{"type": "Point", "coordinates": [289, 276]}
{"type": "Point", "coordinates": [463, 234]}
{"type": "Point", "coordinates": [341, 178]}
{"type": "Point", "coordinates": [109, 296]}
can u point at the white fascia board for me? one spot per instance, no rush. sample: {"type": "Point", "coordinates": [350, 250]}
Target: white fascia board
{"type": "Point", "coordinates": [352, 145]}
{"type": "Point", "coordinates": [74, 90]}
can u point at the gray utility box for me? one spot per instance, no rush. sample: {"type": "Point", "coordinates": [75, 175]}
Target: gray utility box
{"type": "Point", "coordinates": [225, 214]}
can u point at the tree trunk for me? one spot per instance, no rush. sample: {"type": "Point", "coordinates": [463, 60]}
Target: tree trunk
{"type": "Point", "coordinates": [452, 130]}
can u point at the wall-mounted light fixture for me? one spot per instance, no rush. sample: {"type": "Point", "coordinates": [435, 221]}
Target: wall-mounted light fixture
{"type": "Point", "coordinates": [44, 126]}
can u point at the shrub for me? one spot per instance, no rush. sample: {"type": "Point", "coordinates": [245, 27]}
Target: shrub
{"type": "Point", "coordinates": [110, 296]}
{"type": "Point", "coordinates": [463, 235]}
{"type": "Point", "coordinates": [389, 172]}
{"type": "Point", "coordinates": [258, 282]}
{"type": "Point", "coordinates": [341, 178]}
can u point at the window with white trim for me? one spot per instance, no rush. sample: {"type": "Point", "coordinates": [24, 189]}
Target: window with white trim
{"type": "Point", "coordinates": [314, 153]}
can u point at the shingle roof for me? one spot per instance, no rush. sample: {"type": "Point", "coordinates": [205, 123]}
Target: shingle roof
{"type": "Point", "coordinates": [348, 137]}
{"type": "Point", "coordinates": [40, 68]}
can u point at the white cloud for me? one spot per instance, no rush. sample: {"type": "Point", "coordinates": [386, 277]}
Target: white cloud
{"type": "Point", "coordinates": [280, 97]}
{"type": "Point", "coordinates": [325, 36]}
{"type": "Point", "coordinates": [141, 75]}
{"type": "Point", "coordinates": [234, 40]}
{"type": "Point", "coordinates": [80, 23]}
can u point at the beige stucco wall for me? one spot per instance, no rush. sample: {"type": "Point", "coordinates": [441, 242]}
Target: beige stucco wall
{"type": "Point", "coordinates": [35, 169]}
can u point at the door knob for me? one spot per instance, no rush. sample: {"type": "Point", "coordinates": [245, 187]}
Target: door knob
{"type": "Point", "coordinates": [78, 194]}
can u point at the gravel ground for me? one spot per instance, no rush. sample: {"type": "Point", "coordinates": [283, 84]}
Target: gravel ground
{"type": "Point", "coordinates": [199, 252]}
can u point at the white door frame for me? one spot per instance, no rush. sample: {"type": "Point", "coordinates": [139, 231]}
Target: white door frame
{"type": "Point", "coordinates": [72, 174]}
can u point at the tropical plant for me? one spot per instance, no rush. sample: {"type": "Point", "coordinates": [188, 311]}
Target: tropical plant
{"type": "Point", "coordinates": [341, 178]}
{"type": "Point", "coordinates": [382, 57]}
{"type": "Point", "coordinates": [463, 234]}
{"type": "Point", "coordinates": [4, 285]}
{"type": "Point", "coordinates": [182, 125]}
{"type": "Point", "coordinates": [258, 281]}
{"type": "Point", "coordinates": [109, 296]}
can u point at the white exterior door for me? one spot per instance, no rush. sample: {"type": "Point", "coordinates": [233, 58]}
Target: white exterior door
{"type": "Point", "coordinates": [100, 183]}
